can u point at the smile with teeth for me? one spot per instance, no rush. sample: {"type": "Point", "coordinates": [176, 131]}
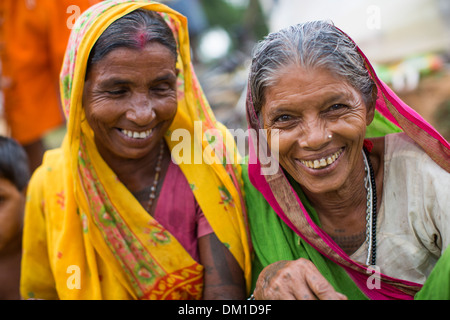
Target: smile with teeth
{"type": "Point", "coordinates": [322, 163]}
{"type": "Point", "coordinates": [136, 134]}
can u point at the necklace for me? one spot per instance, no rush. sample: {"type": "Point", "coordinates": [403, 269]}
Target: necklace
{"type": "Point", "coordinates": [154, 187]}
{"type": "Point", "coordinates": [371, 211]}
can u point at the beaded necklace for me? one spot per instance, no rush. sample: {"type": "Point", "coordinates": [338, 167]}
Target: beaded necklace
{"type": "Point", "coordinates": [371, 211]}
{"type": "Point", "coordinates": [154, 187]}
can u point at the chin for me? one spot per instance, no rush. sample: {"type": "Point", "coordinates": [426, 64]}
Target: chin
{"type": "Point", "coordinates": [124, 154]}
{"type": "Point", "coordinates": [320, 185]}
{"type": "Point", "coordinates": [136, 155]}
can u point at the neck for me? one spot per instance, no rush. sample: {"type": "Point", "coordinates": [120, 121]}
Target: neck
{"type": "Point", "coordinates": [342, 212]}
{"type": "Point", "coordinates": [138, 174]}
{"type": "Point", "coordinates": [340, 206]}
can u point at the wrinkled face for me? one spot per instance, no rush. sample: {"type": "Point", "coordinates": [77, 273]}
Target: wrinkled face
{"type": "Point", "coordinates": [12, 204]}
{"type": "Point", "coordinates": [307, 106]}
{"type": "Point", "coordinates": [130, 100]}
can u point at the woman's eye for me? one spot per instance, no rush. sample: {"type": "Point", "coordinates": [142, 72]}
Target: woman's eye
{"type": "Point", "coordinates": [283, 118]}
{"type": "Point", "coordinates": [161, 88]}
{"type": "Point", "coordinates": [337, 106]}
{"type": "Point", "coordinates": [116, 92]}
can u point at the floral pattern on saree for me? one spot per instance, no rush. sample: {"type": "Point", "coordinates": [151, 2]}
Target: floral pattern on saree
{"type": "Point", "coordinates": [146, 276]}
{"type": "Point", "coordinates": [185, 284]}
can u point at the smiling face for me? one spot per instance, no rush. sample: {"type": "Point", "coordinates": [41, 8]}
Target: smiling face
{"type": "Point", "coordinates": [307, 106]}
{"type": "Point", "coordinates": [130, 100]}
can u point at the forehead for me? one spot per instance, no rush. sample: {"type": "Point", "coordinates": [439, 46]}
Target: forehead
{"type": "Point", "coordinates": [154, 57]}
{"type": "Point", "coordinates": [7, 186]}
{"type": "Point", "coordinates": [312, 86]}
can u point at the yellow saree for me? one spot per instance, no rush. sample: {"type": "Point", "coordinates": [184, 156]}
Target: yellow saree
{"type": "Point", "coordinates": [85, 235]}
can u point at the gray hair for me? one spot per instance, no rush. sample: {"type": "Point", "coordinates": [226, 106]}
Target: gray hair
{"type": "Point", "coordinates": [316, 44]}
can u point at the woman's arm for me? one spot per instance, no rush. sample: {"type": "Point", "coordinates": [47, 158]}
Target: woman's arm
{"type": "Point", "coordinates": [223, 277]}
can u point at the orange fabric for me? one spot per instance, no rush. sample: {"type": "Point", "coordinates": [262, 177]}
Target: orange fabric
{"type": "Point", "coordinates": [34, 35]}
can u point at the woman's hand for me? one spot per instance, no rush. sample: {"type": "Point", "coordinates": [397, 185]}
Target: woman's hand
{"type": "Point", "coordinates": [294, 280]}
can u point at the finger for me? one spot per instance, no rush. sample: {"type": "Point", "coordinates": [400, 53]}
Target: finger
{"type": "Point", "coordinates": [289, 283]}
{"type": "Point", "coordinates": [301, 292]}
{"type": "Point", "coordinates": [277, 289]}
{"type": "Point", "coordinates": [304, 293]}
{"type": "Point", "coordinates": [321, 288]}
{"type": "Point", "coordinates": [281, 280]}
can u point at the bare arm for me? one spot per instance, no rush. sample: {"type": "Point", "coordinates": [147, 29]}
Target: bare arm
{"type": "Point", "coordinates": [223, 278]}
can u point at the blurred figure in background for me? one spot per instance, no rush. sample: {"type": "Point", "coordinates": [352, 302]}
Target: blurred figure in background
{"type": "Point", "coordinates": [193, 11]}
{"type": "Point", "coordinates": [33, 38]}
{"type": "Point", "coordinates": [14, 176]}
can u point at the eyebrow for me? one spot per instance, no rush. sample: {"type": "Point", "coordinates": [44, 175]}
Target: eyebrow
{"type": "Point", "coordinates": [120, 81]}
{"type": "Point", "coordinates": [113, 82]}
{"type": "Point", "coordinates": [340, 97]}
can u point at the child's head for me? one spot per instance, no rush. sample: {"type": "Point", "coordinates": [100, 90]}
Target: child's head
{"type": "Point", "coordinates": [14, 177]}
{"type": "Point", "coordinates": [13, 163]}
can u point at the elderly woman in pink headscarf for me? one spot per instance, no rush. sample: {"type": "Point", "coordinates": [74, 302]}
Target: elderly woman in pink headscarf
{"type": "Point", "coordinates": [358, 208]}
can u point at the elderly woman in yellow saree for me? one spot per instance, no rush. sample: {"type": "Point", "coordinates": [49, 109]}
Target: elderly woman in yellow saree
{"type": "Point", "coordinates": [112, 214]}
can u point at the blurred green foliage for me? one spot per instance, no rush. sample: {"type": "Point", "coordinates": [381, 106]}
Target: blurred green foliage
{"type": "Point", "coordinates": [244, 24]}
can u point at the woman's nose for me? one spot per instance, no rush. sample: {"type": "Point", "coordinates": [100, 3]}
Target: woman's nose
{"type": "Point", "coordinates": [314, 136]}
{"type": "Point", "coordinates": [141, 111]}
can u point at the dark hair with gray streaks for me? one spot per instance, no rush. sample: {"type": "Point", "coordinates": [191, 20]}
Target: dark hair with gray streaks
{"type": "Point", "coordinates": [316, 44]}
{"type": "Point", "coordinates": [134, 31]}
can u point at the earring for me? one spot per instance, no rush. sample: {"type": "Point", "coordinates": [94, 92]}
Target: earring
{"type": "Point", "coordinates": [330, 136]}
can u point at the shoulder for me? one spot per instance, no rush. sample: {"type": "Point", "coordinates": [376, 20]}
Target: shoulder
{"type": "Point", "coordinates": [52, 166]}
{"type": "Point", "coordinates": [418, 188]}
{"type": "Point", "coordinates": [42, 187]}
{"type": "Point", "coordinates": [401, 143]}
{"type": "Point", "coordinates": [400, 149]}
{"type": "Point", "coordinates": [410, 169]}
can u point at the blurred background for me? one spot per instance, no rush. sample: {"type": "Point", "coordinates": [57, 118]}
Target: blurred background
{"type": "Point", "coordinates": [408, 41]}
